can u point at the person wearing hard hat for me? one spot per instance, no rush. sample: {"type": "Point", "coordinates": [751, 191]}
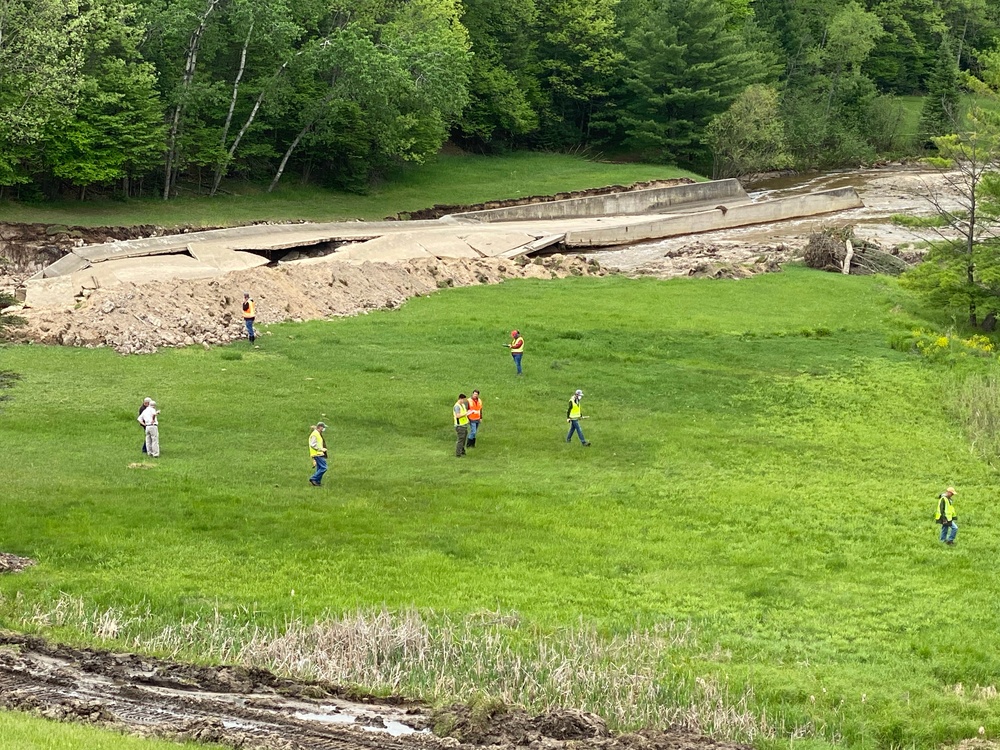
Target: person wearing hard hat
{"type": "Point", "coordinates": [460, 413]}
{"type": "Point", "coordinates": [573, 416]}
{"type": "Point", "coordinates": [516, 347]}
{"type": "Point", "coordinates": [317, 452]}
{"type": "Point", "coordinates": [945, 515]}
{"type": "Point", "coordinates": [249, 313]}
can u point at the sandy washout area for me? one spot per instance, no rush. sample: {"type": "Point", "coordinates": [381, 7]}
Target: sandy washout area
{"type": "Point", "coordinates": [737, 253]}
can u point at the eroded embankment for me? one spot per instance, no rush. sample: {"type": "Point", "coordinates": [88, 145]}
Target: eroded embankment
{"type": "Point", "coordinates": [141, 318]}
{"type": "Point", "coordinates": [252, 708]}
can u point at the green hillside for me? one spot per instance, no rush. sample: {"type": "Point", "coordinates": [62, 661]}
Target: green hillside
{"type": "Point", "coordinates": [754, 512]}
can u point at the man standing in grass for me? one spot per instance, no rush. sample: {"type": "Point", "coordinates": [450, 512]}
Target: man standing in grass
{"type": "Point", "coordinates": [317, 451]}
{"type": "Point", "coordinates": [516, 347]}
{"type": "Point", "coordinates": [150, 421]}
{"type": "Point", "coordinates": [249, 313]}
{"type": "Point", "coordinates": [945, 516]}
{"type": "Point", "coordinates": [573, 416]}
{"type": "Point", "coordinates": [475, 417]}
{"type": "Point", "coordinates": [460, 412]}
{"type": "Point", "coordinates": [142, 408]}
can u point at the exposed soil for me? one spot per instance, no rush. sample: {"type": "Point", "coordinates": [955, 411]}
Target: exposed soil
{"type": "Point", "coordinates": [252, 708]}
{"type": "Point", "coordinates": [14, 564]}
{"type": "Point", "coordinates": [136, 319]}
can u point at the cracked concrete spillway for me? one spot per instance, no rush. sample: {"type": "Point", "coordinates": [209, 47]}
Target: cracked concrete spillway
{"type": "Point", "coordinates": [589, 222]}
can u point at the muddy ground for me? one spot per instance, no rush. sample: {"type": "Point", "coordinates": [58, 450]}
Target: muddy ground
{"type": "Point", "coordinates": [252, 708]}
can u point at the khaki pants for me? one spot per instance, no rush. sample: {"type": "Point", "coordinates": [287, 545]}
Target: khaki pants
{"type": "Point", "coordinates": [462, 432]}
{"type": "Point", "coordinates": [153, 440]}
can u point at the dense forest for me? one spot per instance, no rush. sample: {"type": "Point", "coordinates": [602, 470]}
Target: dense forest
{"type": "Point", "coordinates": [148, 97]}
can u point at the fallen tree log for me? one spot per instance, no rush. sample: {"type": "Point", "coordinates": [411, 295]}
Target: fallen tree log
{"type": "Point", "coordinates": [837, 250]}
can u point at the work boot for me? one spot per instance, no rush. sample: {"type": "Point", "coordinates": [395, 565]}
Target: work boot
{"type": "Point", "coordinates": [470, 443]}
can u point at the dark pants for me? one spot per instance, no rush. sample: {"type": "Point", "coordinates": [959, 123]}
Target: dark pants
{"type": "Point", "coordinates": [461, 432]}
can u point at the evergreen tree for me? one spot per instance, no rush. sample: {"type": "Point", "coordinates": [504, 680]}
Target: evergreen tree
{"type": "Point", "coordinates": [940, 111]}
{"type": "Point", "coordinates": [686, 66]}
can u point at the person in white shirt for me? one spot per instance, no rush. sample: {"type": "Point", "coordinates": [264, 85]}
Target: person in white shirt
{"type": "Point", "coordinates": [149, 420]}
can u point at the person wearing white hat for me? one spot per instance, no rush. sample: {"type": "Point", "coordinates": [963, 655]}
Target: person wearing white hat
{"type": "Point", "coordinates": [573, 416]}
{"type": "Point", "coordinates": [150, 421]}
{"type": "Point", "coordinates": [318, 453]}
{"type": "Point", "coordinates": [142, 408]}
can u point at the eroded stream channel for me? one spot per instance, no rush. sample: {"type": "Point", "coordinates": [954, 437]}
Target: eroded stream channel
{"type": "Point", "coordinates": [252, 708]}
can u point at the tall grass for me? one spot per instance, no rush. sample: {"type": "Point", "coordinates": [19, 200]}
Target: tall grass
{"type": "Point", "coordinates": [975, 398]}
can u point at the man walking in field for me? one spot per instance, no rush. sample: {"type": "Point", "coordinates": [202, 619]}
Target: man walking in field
{"type": "Point", "coordinates": [945, 515]}
{"type": "Point", "coordinates": [516, 347]}
{"type": "Point", "coordinates": [150, 421]}
{"type": "Point", "coordinates": [249, 313]}
{"type": "Point", "coordinates": [573, 416]}
{"type": "Point", "coordinates": [317, 452]}
{"type": "Point", "coordinates": [475, 417]}
{"type": "Point", "coordinates": [460, 412]}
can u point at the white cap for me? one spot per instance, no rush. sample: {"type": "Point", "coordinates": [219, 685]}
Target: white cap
{"type": "Point", "coordinates": [578, 392]}
{"type": "Point", "coordinates": [152, 403]}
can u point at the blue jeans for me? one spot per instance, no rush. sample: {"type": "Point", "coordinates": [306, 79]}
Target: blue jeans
{"type": "Point", "coordinates": [249, 324]}
{"type": "Point", "coordinates": [517, 361]}
{"type": "Point", "coordinates": [320, 469]}
{"type": "Point", "coordinates": [574, 426]}
{"type": "Point", "coordinates": [949, 531]}
{"type": "Point", "coordinates": [473, 428]}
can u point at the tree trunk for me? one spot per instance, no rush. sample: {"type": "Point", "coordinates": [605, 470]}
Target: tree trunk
{"type": "Point", "coordinates": [294, 144]}
{"type": "Point", "coordinates": [194, 45]}
{"type": "Point", "coordinates": [219, 168]}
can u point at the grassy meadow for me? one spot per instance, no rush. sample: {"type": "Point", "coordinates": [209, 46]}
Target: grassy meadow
{"type": "Point", "coordinates": [750, 531]}
{"type": "Point", "coordinates": [447, 180]}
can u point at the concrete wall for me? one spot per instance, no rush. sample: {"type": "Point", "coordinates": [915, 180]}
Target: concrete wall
{"type": "Point", "coordinates": [826, 201]}
{"type": "Point", "coordinates": [636, 202]}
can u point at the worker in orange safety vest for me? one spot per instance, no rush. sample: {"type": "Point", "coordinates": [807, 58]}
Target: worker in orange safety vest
{"type": "Point", "coordinates": [475, 417]}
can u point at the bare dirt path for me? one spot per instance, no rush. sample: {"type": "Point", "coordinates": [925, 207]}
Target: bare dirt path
{"type": "Point", "coordinates": [252, 708]}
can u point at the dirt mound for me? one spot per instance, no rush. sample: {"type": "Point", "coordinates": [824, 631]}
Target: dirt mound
{"type": "Point", "coordinates": [437, 211]}
{"type": "Point", "coordinates": [13, 564]}
{"type": "Point", "coordinates": [252, 708]}
{"type": "Point", "coordinates": [138, 319]}
{"type": "Point", "coordinates": [722, 260]}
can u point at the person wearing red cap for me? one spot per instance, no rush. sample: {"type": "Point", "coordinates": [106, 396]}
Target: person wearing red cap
{"type": "Point", "coordinates": [945, 516]}
{"type": "Point", "coordinates": [516, 347]}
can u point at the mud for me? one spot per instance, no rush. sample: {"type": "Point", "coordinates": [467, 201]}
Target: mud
{"type": "Point", "coordinates": [252, 708]}
{"type": "Point", "coordinates": [13, 564]}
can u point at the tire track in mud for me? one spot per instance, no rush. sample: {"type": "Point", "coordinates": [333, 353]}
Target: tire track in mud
{"type": "Point", "coordinates": [252, 708]}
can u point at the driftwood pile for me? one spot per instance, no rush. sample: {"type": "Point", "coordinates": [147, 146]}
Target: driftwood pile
{"type": "Point", "coordinates": [837, 249]}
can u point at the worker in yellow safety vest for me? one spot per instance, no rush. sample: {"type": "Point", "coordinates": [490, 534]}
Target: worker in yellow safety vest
{"type": "Point", "coordinates": [460, 412]}
{"type": "Point", "coordinates": [249, 313]}
{"type": "Point", "coordinates": [516, 347]}
{"type": "Point", "coordinates": [573, 415]}
{"type": "Point", "coordinates": [318, 453]}
{"type": "Point", "coordinates": [475, 417]}
{"type": "Point", "coordinates": [945, 515]}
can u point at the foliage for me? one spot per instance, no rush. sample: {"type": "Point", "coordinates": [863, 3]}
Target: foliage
{"type": "Point", "coordinates": [749, 137]}
{"type": "Point", "coordinates": [7, 320]}
{"type": "Point", "coordinates": [784, 447]}
{"type": "Point", "coordinates": [940, 114]}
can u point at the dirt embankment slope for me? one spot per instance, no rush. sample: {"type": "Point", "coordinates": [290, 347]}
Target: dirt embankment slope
{"type": "Point", "coordinates": [252, 708]}
{"type": "Point", "coordinates": [140, 318]}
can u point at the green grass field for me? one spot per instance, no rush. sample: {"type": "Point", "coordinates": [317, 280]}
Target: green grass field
{"type": "Point", "coordinates": [20, 732]}
{"type": "Point", "coordinates": [763, 472]}
{"type": "Point", "coordinates": [448, 180]}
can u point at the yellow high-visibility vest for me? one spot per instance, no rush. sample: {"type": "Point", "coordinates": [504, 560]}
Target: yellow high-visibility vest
{"type": "Point", "coordinates": [518, 346]}
{"type": "Point", "coordinates": [574, 409]}
{"type": "Point", "coordinates": [461, 414]}
{"type": "Point", "coordinates": [319, 442]}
